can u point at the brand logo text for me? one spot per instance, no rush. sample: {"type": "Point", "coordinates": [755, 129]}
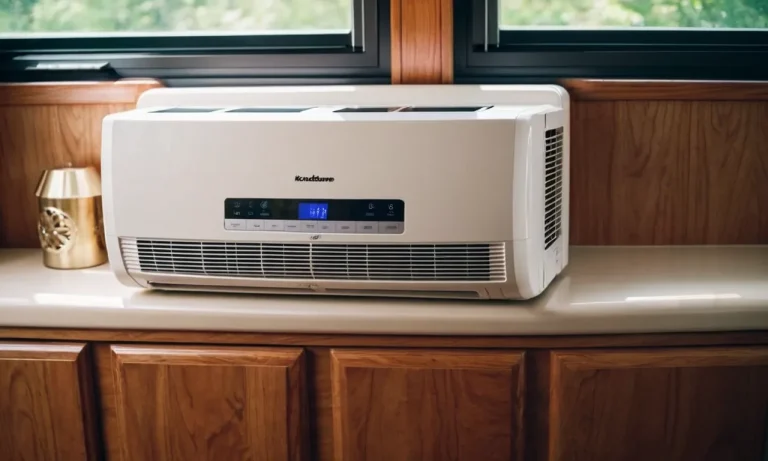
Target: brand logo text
{"type": "Point", "coordinates": [314, 178]}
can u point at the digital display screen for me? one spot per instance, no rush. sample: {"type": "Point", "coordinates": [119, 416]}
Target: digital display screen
{"type": "Point", "coordinates": [313, 211]}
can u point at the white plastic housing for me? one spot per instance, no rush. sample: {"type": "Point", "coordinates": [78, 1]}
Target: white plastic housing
{"type": "Point", "coordinates": [465, 178]}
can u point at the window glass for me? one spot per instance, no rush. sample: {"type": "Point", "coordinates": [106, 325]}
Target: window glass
{"type": "Point", "coordinates": [749, 14]}
{"type": "Point", "coordinates": [80, 17]}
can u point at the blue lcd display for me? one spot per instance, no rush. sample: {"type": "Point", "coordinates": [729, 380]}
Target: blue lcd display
{"type": "Point", "coordinates": [313, 210]}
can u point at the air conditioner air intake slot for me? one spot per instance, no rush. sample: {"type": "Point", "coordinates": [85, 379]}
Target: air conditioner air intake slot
{"type": "Point", "coordinates": [553, 185]}
{"type": "Point", "coordinates": [445, 109]}
{"type": "Point", "coordinates": [186, 110]}
{"type": "Point", "coordinates": [268, 110]}
{"type": "Point", "coordinates": [368, 109]}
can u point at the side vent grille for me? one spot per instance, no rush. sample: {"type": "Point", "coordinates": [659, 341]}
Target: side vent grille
{"type": "Point", "coordinates": [553, 185]}
{"type": "Point", "coordinates": [446, 262]}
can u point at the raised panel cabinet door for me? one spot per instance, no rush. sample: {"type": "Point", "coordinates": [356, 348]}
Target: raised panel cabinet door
{"type": "Point", "coordinates": [706, 404]}
{"type": "Point", "coordinates": [46, 403]}
{"type": "Point", "coordinates": [189, 403]}
{"type": "Point", "coordinates": [427, 405]}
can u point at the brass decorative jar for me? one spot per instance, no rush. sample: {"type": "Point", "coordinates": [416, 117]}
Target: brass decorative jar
{"type": "Point", "coordinates": [70, 221]}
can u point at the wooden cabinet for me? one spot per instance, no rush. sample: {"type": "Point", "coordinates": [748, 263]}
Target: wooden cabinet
{"type": "Point", "coordinates": [434, 405]}
{"type": "Point", "coordinates": [46, 411]}
{"type": "Point", "coordinates": [206, 402]}
{"type": "Point", "coordinates": [707, 404]}
{"type": "Point", "coordinates": [188, 403]}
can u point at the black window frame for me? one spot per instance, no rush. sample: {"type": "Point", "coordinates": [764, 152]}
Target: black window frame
{"type": "Point", "coordinates": [483, 51]}
{"type": "Point", "coordinates": [359, 56]}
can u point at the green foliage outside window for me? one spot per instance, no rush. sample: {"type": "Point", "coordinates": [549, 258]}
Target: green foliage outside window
{"type": "Point", "coordinates": [635, 13]}
{"type": "Point", "coordinates": [20, 16]}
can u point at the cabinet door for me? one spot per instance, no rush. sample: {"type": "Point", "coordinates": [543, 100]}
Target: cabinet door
{"type": "Point", "coordinates": [188, 403]}
{"type": "Point", "coordinates": [707, 404]}
{"type": "Point", "coordinates": [46, 412]}
{"type": "Point", "coordinates": [414, 405]}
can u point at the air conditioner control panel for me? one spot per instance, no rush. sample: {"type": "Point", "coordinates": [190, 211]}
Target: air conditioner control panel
{"type": "Point", "coordinates": [316, 216]}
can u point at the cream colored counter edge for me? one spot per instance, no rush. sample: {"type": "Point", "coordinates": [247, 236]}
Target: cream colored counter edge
{"type": "Point", "coordinates": [604, 290]}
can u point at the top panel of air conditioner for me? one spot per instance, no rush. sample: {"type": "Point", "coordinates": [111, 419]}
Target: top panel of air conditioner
{"type": "Point", "coordinates": [436, 191]}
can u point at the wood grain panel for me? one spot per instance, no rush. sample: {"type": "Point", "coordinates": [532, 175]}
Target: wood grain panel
{"type": "Point", "coordinates": [35, 138]}
{"type": "Point", "coordinates": [321, 403]}
{"type": "Point", "coordinates": [669, 172]}
{"type": "Point", "coordinates": [629, 172]}
{"type": "Point", "coordinates": [422, 41]}
{"type": "Point", "coordinates": [435, 405]}
{"type": "Point", "coordinates": [47, 126]}
{"type": "Point", "coordinates": [78, 93]}
{"type": "Point", "coordinates": [728, 190]}
{"type": "Point", "coordinates": [327, 340]}
{"type": "Point", "coordinates": [205, 403]}
{"type": "Point", "coordinates": [659, 90]}
{"type": "Point", "coordinates": [672, 405]}
{"type": "Point", "coordinates": [46, 408]}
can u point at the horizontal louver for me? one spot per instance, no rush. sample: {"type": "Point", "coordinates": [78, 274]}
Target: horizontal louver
{"type": "Point", "coordinates": [445, 262]}
{"type": "Point", "coordinates": [553, 186]}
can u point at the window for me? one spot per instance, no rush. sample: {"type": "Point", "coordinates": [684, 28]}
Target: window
{"type": "Point", "coordinates": [28, 17]}
{"type": "Point", "coordinates": [543, 40]}
{"type": "Point", "coordinates": [195, 42]}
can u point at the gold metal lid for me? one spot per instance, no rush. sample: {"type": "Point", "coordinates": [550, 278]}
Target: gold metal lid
{"type": "Point", "coordinates": [64, 183]}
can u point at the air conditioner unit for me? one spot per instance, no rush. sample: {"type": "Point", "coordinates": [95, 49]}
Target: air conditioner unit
{"type": "Point", "coordinates": [425, 191]}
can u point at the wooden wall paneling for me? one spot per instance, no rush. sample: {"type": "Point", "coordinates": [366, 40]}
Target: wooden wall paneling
{"type": "Point", "coordinates": [47, 126]}
{"type": "Point", "coordinates": [669, 172]}
{"type": "Point", "coordinates": [664, 90]}
{"type": "Point", "coordinates": [593, 125]}
{"type": "Point", "coordinates": [422, 41]}
{"type": "Point", "coordinates": [427, 404]}
{"type": "Point", "coordinates": [74, 93]}
{"type": "Point", "coordinates": [665, 404]}
{"type": "Point", "coordinates": [46, 407]}
{"type": "Point", "coordinates": [728, 170]}
{"type": "Point", "coordinates": [629, 172]}
{"type": "Point", "coordinates": [32, 139]}
{"type": "Point", "coordinates": [203, 403]}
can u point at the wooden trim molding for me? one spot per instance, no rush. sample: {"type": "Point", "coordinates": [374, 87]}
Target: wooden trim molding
{"type": "Point", "coordinates": [324, 340]}
{"type": "Point", "coordinates": [651, 90]}
{"type": "Point", "coordinates": [70, 93]}
{"type": "Point", "coordinates": [422, 41]}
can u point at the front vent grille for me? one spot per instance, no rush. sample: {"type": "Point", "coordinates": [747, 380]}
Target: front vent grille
{"type": "Point", "coordinates": [553, 185]}
{"type": "Point", "coordinates": [445, 262]}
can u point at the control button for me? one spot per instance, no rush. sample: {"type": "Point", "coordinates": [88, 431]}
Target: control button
{"type": "Point", "coordinates": [292, 226]}
{"type": "Point", "coordinates": [254, 224]}
{"type": "Point", "coordinates": [367, 227]}
{"type": "Point", "coordinates": [327, 226]}
{"type": "Point", "coordinates": [234, 224]}
{"type": "Point", "coordinates": [274, 224]}
{"type": "Point", "coordinates": [309, 226]}
{"type": "Point", "coordinates": [345, 227]}
{"type": "Point", "coordinates": [390, 227]}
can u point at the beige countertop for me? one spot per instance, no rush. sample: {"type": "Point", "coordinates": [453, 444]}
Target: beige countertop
{"type": "Point", "coordinates": [604, 290]}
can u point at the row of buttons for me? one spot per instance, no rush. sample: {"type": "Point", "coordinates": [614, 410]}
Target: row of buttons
{"type": "Point", "coordinates": [339, 227]}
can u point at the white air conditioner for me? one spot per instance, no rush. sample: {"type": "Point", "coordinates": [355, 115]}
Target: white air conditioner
{"type": "Point", "coordinates": [428, 191]}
